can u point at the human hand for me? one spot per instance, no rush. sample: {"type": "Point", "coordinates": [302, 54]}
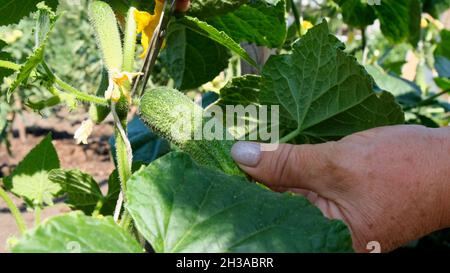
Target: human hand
{"type": "Point", "coordinates": [389, 184]}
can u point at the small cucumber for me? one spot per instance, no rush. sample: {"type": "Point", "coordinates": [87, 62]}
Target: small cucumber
{"type": "Point", "coordinates": [106, 30]}
{"type": "Point", "coordinates": [163, 108]}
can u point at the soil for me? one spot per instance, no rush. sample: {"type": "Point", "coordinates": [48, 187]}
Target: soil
{"type": "Point", "coordinates": [93, 158]}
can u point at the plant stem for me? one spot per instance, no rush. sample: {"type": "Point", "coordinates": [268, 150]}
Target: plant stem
{"type": "Point", "coordinates": [427, 100]}
{"type": "Point", "coordinates": [70, 89]}
{"type": "Point", "coordinates": [364, 45]}
{"type": "Point", "coordinates": [14, 211]}
{"type": "Point", "coordinates": [124, 154]}
{"type": "Point", "coordinates": [297, 18]}
{"type": "Point", "coordinates": [125, 221]}
{"type": "Point", "coordinates": [10, 65]}
{"type": "Point", "coordinates": [79, 94]}
{"type": "Point", "coordinates": [67, 87]}
{"type": "Point", "coordinates": [124, 157]}
{"type": "Point", "coordinates": [129, 45]}
{"type": "Point", "coordinates": [98, 207]}
{"type": "Point", "coordinates": [290, 136]}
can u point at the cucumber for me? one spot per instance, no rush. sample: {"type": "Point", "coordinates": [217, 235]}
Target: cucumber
{"type": "Point", "coordinates": [106, 30]}
{"type": "Point", "coordinates": [160, 110]}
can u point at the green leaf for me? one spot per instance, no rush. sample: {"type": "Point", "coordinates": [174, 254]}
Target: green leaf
{"type": "Point", "coordinates": [30, 178]}
{"type": "Point", "coordinates": [357, 13]}
{"type": "Point", "coordinates": [443, 83]}
{"type": "Point", "coordinates": [192, 59]}
{"type": "Point", "coordinates": [220, 37]}
{"type": "Point", "coordinates": [180, 206]}
{"type": "Point", "coordinates": [25, 71]}
{"type": "Point", "coordinates": [400, 20]}
{"type": "Point", "coordinates": [13, 10]}
{"type": "Point", "coordinates": [209, 8]}
{"type": "Point", "coordinates": [82, 190]}
{"type": "Point", "coordinates": [443, 48]}
{"type": "Point", "coordinates": [406, 92]}
{"type": "Point", "coordinates": [114, 188]}
{"type": "Point", "coordinates": [323, 93]}
{"type": "Point", "coordinates": [45, 21]}
{"type": "Point", "coordinates": [77, 233]}
{"type": "Point", "coordinates": [241, 90]}
{"type": "Point", "coordinates": [261, 22]}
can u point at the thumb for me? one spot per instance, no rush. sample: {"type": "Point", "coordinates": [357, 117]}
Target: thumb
{"type": "Point", "coordinates": [288, 166]}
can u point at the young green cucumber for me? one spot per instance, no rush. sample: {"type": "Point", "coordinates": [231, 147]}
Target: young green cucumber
{"type": "Point", "coordinates": [180, 120]}
{"type": "Point", "coordinates": [106, 31]}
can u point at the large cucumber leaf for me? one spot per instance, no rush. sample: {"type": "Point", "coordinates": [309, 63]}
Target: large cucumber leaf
{"type": "Point", "coordinates": [322, 92]}
{"type": "Point", "coordinates": [180, 206]}
{"type": "Point", "coordinates": [192, 59]}
{"type": "Point", "coordinates": [29, 179]}
{"type": "Point", "coordinates": [210, 8]}
{"type": "Point", "coordinates": [77, 233]}
{"type": "Point", "coordinates": [242, 90]}
{"type": "Point", "coordinates": [261, 22]}
{"type": "Point", "coordinates": [14, 10]}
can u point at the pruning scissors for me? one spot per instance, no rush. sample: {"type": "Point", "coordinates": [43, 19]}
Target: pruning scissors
{"type": "Point", "coordinates": [155, 47]}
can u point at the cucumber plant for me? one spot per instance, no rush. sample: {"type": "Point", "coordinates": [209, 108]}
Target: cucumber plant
{"type": "Point", "coordinates": [192, 197]}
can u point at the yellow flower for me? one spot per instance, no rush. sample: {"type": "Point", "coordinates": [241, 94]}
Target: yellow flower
{"type": "Point", "coordinates": [306, 25]}
{"type": "Point", "coordinates": [84, 131]}
{"type": "Point", "coordinates": [147, 23]}
{"type": "Point", "coordinates": [117, 86]}
{"type": "Point", "coordinates": [423, 23]}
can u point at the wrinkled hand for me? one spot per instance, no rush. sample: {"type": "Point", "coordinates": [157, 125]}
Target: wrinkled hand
{"type": "Point", "coordinates": [389, 184]}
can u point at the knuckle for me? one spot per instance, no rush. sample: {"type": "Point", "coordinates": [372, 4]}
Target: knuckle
{"type": "Point", "coordinates": [283, 159]}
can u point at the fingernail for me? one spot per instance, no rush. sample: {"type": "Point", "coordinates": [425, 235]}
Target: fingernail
{"type": "Point", "coordinates": [246, 153]}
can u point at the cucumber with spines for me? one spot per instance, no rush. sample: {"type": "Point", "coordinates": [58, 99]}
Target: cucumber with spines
{"type": "Point", "coordinates": [163, 108]}
{"type": "Point", "coordinates": [106, 30]}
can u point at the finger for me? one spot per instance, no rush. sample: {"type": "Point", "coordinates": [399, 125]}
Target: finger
{"type": "Point", "coordinates": [182, 5]}
{"type": "Point", "coordinates": [289, 166]}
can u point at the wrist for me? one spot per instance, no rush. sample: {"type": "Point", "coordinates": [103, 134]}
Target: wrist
{"type": "Point", "coordinates": [443, 144]}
